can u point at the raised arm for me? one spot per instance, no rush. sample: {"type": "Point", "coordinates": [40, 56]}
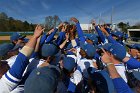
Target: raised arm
{"type": "Point", "coordinates": [47, 37]}
{"type": "Point", "coordinates": [101, 35]}
{"type": "Point", "coordinates": [119, 83]}
{"type": "Point", "coordinates": [11, 79]}
{"type": "Point", "coordinates": [109, 37]}
{"type": "Point", "coordinates": [79, 30]}
{"type": "Point", "coordinates": [108, 30]}
{"type": "Point", "coordinates": [132, 63]}
{"type": "Point", "coordinates": [73, 35]}
{"type": "Point", "coordinates": [52, 33]}
{"type": "Point", "coordinates": [35, 53]}
{"type": "Point", "coordinates": [61, 35]}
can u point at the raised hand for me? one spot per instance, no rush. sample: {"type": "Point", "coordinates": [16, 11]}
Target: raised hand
{"type": "Point", "coordinates": [60, 25]}
{"type": "Point", "coordinates": [102, 28]}
{"type": "Point", "coordinates": [72, 28]}
{"type": "Point", "coordinates": [74, 20]}
{"type": "Point", "coordinates": [72, 31]}
{"type": "Point", "coordinates": [105, 26]}
{"type": "Point", "coordinates": [104, 31]}
{"type": "Point", "coordinates": [38, 31]}
{"type": "Point", "coordinates": [64, 28]}
{"type": "Point", "coordinates": [50, 31]}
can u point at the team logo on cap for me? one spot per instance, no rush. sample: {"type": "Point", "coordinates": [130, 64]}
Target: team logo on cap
{"type": "Point", "coordinates": [111, 49]}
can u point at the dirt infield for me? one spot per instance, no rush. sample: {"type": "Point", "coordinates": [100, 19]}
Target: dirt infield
{"type": "Point", "coordinates": [8, 37]}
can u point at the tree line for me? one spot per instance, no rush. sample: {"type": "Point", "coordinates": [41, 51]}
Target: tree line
{"type": "Point", "coordinates": [124, 26]}
{"type": "Point", "coordinates": [11, 24]}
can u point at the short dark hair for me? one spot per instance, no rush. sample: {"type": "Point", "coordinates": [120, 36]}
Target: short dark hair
{"type": "Point", "coordinates": [66, 72]}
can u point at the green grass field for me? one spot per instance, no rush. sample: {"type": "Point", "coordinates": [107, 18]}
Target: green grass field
{"type": "Point", "coordinates": [4, 41]}
{"type": "Point", "coordinates": [21, 34]}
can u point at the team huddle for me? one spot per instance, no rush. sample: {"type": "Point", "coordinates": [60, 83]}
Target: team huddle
{"type": "Point", "coordinates": [72, 62]}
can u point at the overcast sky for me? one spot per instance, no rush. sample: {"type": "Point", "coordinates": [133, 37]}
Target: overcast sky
{"type": "Point", "coordinates": [35, 11]}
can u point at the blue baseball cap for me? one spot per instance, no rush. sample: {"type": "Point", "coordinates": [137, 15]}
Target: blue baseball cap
{"type": "Point", "coordinates": [5, 48]}
{"type": "Point", "coordinates": [117, 33]}
{"type": "Point", "coordinates": [89, 49]}
{"type": "Point", "coordinates": [49, 50]}
{"type": "Point", "coordinates": [15, 36]}
{"type": "Point", "coordinates": [86, 35]}
{"type": "Point", "coordinates": [106, 46]}
{"type": "Point", "coordinates": [98, 80]}
{"type": "Point", "coordinates": [118, 50]}
{"type": "Point", "coordinates": [25, 40]}
{"type": "Point", "coordinates": [69, 63]}
{"type": "Point", "coordinates": [134, 46]}
{"type": "Point", "coordinates": [57, 58]}
{"type": "Point", "coordinates": [42, 80]}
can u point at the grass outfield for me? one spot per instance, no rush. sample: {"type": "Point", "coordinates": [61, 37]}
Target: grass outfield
{"type": "Point", "coordinates": [4, 41]}
{"type": "Point", "coordinates": [21, 34]}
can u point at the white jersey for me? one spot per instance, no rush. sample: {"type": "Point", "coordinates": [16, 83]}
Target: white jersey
{"type": "Point", "coordinates": [19, 89]}
{"type": "Point", "coordinates": [6, 85]}
{"type": "Point", "coordinates": [11, 60]}
{"type": "Point", "coordinates": [77, 77]}
{"type": "Point", "coordinates": [121, 70]}
{"type": "Point", "coordinates": [40, 61]}
{"type": "Point", "coordinates": [128, 55]}
{"type": "Point", "coordinates": [83, 65]}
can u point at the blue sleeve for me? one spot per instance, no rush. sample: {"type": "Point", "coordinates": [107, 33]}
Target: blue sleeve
{"type": "Point", "coordinates": [34, 55]}
{"type": "Point", "coordinates": [80, 32]}
{"type": "Point", "coordinates": [121, 86]}
{"type": "Point", "coordinates": [15, 73]}
{"type": "Point", "coordinates": [71, 87]}
{"type": "Point", "coordinates": [77, 41]}
{"type": "Point", "coordinates": [111, 40]}
{"type": "Point", "coordinates": [132, 63]}
{"type": "Point", "coordinates": [60, 38]}
{"type": "Point", "coordinates": [108, 30]}
{"type": "Point", "coordinates": [101, 35]}
{"type": "Point", "coordinates": [51, 36]}
{"type": "Point", "coordinates": [42, 40]}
